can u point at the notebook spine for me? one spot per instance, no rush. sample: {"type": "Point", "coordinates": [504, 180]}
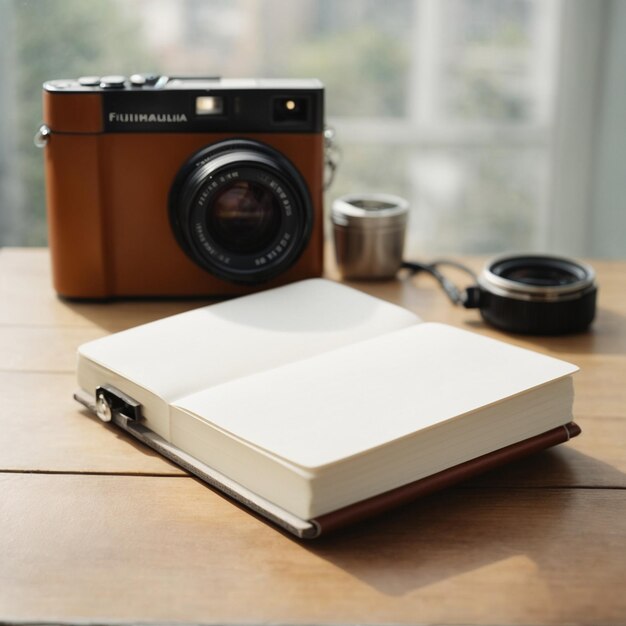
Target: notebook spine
{"type": "Point", "coordinates": [402, 495]}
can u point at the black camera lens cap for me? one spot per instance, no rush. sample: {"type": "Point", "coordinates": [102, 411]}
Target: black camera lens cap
{"type": "Point", "coordinates": [536, 294]}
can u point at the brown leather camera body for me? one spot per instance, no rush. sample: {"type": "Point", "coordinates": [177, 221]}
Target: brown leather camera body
{"type": "Point", "coordinates": [107, 199]}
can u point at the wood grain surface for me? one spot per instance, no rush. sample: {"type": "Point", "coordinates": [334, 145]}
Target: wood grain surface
{"type": "Point", "coordinates": [96, 528]}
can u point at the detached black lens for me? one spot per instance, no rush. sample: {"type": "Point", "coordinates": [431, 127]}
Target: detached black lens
{"type": "Point", "coordinates": [537, 294]}
{"type": "Point", "coordinates": [540, 271]}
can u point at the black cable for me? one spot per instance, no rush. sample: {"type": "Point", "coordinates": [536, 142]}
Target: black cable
{"type": "Point", "coordinates": [455, 295]}
{"type": "Point", "coordinates": [457, 265]}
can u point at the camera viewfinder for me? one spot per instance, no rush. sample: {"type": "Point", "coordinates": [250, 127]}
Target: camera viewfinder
{"type": "Point", "coordinates": [290, 109]}
{"type": "Point", "coordinates": [209, 105]}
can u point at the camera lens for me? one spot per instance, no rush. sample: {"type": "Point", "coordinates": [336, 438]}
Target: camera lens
{"type": "Point", "coordinates": [241, 210]}
{"type": "Point", "coordinates": [539, 271]}
{"type": "Point", "coordinates": [244, 217]}
{"type": "Point", "coordinates": [537, 294]}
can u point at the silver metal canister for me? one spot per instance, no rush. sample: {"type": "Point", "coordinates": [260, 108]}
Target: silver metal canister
{"type": "Point", "coordinates": [369, 232]}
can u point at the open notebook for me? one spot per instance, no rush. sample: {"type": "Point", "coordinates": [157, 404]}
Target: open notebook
{"type": "Point", "coordinates": [315, 404]}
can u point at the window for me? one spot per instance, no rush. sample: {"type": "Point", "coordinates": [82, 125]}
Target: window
{"type": "Point", "coordinates": [450, 103]}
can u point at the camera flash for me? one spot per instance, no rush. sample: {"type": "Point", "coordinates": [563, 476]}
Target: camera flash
{"type": "Point", "coordinates": [290, 105]}
{"type": "Point", "coordinates": [209, 105]}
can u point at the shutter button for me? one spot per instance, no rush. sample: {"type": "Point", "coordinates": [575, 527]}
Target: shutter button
{"type": "Point", "coordinates": [89, 81]}
{"type": "Point", "coordinates": [151, 79]}
{"type": "Point", "coordinates": [112, 82]}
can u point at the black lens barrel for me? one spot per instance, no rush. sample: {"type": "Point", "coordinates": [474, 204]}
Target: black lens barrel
{"type": "Point", "coordinates": [539, 318]}
{"type": "Point", "coordinates": [205, 220]}
{"type": "Point", "coordinates": [537, 294]}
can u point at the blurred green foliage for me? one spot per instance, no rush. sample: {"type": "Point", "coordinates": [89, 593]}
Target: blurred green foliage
{"type": "Point", "coordinates": [362, 50]}
{"type": "Point", "coordinates": [498, 207]}
{"type": "Point", "coordinates": [62, 40]}
{"type": "Point", "coordinates": [364, 71]}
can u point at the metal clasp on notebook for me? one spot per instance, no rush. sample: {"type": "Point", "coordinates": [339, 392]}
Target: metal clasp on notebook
{"type": "Point", "coordinates": [111, 401]}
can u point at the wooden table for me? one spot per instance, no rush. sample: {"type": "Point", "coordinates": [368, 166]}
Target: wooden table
{"type": "Point", "coordinates": [96, 528]}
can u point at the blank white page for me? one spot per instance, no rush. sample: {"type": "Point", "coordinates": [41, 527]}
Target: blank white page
{"type": "Point", "coordinates": [184, 353]}
{"type": "Point", "coordinates": [339, 404]}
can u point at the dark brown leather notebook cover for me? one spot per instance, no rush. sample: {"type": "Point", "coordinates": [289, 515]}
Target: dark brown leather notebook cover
{"type": "Point", "coordinates": [451, 476]}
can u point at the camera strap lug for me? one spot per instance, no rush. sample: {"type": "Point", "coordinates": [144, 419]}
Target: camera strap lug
{"type": "Point", "coordinates": [42, 137]}
{"type": "Point", "coordinates": [332, 156]}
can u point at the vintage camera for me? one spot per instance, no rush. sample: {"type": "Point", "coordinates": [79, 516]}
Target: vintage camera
{"type": "Point", "coordinates": [162, 186]}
